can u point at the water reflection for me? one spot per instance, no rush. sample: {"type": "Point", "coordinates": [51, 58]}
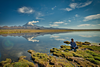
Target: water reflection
{"type": "Point", "coordinates": [15, 45]}
{"type": "Point", "coordinates": [7, 44]}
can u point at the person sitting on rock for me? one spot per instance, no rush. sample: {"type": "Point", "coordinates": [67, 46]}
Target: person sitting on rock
{"type": "Point", "coordinates": [73, 45]}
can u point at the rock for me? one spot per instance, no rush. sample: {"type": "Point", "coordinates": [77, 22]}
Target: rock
{"type": "Point", "coordinates": [86, 43]}
{"type": "Point", "coordinates": [31, 51]}
{"type": "Point", "coordinates": [22, 57]}
{"type": "Point", "coordinates": [67, 42]}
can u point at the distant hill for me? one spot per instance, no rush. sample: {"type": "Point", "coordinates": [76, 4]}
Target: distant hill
{"type": "Point", "coordinates": [27, 26]}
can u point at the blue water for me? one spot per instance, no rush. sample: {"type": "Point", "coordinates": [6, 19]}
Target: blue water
{"type": "Point", "coordinates": [16, 45]}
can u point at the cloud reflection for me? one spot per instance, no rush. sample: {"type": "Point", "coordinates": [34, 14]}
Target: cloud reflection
{"type": "Point", "coordinates": [20, 54]}
{"type": "Point", "coordinates": [33, 40]}
{"type": "Point", "coordinates": [54, 36]}
{"type": "Point", "coordinates": [57, 38]}
{"type": "Point", "coordinates": [87, 36]}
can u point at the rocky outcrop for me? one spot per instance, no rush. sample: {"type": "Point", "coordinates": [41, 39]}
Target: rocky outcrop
{"type": "Point", "coordinates": [49, 61]}
{"type": "Point", "coordinates": [81, 58]}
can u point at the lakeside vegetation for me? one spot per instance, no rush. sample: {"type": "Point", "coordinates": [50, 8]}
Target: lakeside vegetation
{"type": "Point", "coordinates": [86, 56]}
{"type": "Point", "coordinates": [9, 31]}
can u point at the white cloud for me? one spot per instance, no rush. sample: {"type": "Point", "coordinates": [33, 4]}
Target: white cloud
{"type": "Point", "coordinates": [38, 15]}
{"type": "Point", "coordinates": [87, 25]}
{"type": "Point", "coordinates": [77, 5]}
{"type": "Point", "coordinates": [25, 10]}
{"type": "Point", "coordinates": [53, 25]}
{"type": "Point", "coordinates": [84, 4]}
{"type": "Point", "coordinates": [69, 20]}
{"type": "Point", "coordinates": [31, 22]}
{"type": "Point", "coordinates": [91, 17]}
{"type": "Point", "coordinates": [76, 15]}
{"type": "Point", "coordinates": [56, 23]}
{"type": "Point", "coordinates": [40, 18]}
{"type": "Point", "coordinates": [73, 5]}
{"type": "Point", "coordinates": [67, 9]}
{"type": "Point", "coordinates": [83, 25]}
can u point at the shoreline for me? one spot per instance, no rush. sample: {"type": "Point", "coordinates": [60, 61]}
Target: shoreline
{"type": "Point", "coordinates": [10, 31]}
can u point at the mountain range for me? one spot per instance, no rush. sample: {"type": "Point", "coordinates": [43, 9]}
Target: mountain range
{"type": "Point", "coordinates": [28, 25]}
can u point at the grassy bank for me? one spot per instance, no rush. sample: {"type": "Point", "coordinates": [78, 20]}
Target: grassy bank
{"type": "Point", "coordinates": [9, 31]}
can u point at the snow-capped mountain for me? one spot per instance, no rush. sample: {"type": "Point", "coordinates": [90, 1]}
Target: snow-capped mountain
{"type": "Point", "coordinates": [31, 25]}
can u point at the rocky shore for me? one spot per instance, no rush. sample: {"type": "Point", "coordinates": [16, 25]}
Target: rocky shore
{"type": "Point", "coordinates": [86, 56]}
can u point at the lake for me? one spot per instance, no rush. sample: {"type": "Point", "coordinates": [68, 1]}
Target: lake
{"type": "Point", "coordinates": [16, 45]}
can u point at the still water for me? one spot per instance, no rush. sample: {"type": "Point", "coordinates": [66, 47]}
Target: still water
{"type": "Point", "coordinates": [16, 45]}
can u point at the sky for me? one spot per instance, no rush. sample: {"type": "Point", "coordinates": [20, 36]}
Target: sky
{"type": "Point", "coordinates": [70, 14]}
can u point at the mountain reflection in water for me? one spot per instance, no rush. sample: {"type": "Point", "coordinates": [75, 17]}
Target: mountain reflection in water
{"type": "Point", "coordinates": [16, 45]}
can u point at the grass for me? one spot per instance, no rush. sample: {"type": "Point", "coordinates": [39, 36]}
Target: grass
{"type": "Point", "coordinates": [9, 31]}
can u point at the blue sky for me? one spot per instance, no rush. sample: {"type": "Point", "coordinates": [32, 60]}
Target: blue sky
{"type": "Point", "coordinates": [73, 14]}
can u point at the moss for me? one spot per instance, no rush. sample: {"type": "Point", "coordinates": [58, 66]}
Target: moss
{"type": "Point", "coordinates": [49, 61]}
{"type": "Point", "coordinates": [21, 63]}
{"type": "Point", "coordinates": [93, 60]}
{"type": "Point", "coordinates": [91, 52]}
{"type": "Point", "coordinates": [97, 58]}
{"type": "Point", "coordinates": [8, 65]}
{"type": "Point", "coordinates": [77, 55]}
{"type": "Point", "coordinates": [64, 54]}
{"type": "Point", "coordinates": [6, 61]}
{"type": "Point", "coordinates": [58, 53]}
{"type": "Point", "coordinates": [88, 56]}
{"type": "Point", "coordinates": [54, 49]}
{"type": "Point", "coordinates": [96, 48]}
